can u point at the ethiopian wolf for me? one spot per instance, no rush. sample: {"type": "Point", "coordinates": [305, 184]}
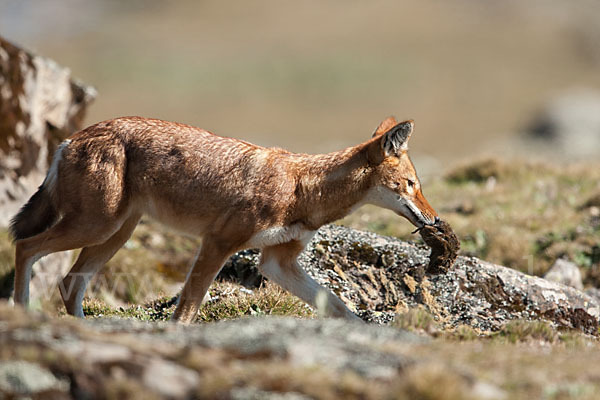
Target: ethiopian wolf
{"type": "Point", "coordinates": [234, 194]}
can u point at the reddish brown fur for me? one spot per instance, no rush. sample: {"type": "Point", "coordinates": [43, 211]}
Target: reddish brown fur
{"type": "Point", "coordinates": [226, 190]}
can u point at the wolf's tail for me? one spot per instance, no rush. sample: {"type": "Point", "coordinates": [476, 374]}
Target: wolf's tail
{"type": "Point", "coordinates": [40, 212]}
{"type": "Point", "coordinates": [37, 215]}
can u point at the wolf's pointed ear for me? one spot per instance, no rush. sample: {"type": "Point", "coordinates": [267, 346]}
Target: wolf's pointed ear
{"type": "Point", "coordinates": [395, 140]}
{"type": "Point", "coordinates": [385, 126]}
{"type": "Point", "coordinates": [391, 143]}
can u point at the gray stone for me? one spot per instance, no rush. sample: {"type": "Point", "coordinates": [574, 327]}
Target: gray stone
{"type": "Point", "coordinates": [154, 353]}
{"type": "Point", "coordinates": [331, 343]}
{"type": "Point", "coordinates": [566, 273]}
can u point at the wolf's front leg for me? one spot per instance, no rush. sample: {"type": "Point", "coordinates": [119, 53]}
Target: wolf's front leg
{"type": "Point", "coordinates": [279, 264]}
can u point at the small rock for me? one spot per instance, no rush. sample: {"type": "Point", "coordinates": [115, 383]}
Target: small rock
{"type": "Point", "coordinates": [565, 272]}
{"type": "Point", "coordinates": [22, 378]}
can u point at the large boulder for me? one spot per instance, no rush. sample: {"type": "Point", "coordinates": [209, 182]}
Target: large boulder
{"type": "Point", "coordinates": [378, 276]}
{"type": "Point", "coordinates": [40, 105]}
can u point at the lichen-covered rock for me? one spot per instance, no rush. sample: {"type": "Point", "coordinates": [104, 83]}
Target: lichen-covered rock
{"type": "Point", "coordinates": [40, 105]}
{"type": "Point", "coordinates": [378, 276]}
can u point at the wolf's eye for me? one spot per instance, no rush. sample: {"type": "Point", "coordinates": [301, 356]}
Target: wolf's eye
{"type": "Point", "coordinates": [410, 183]}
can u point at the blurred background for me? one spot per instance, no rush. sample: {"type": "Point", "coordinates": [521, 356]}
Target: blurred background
{"type": "Point", "coordinates": [316, 76]}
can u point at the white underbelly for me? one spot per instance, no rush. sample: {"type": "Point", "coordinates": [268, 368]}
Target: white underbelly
{"type": "Point", "coordinates": [280, 234]}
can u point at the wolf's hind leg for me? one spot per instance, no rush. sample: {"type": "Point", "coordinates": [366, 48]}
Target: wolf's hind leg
{"type": "Point", "coordinates": [90, 261]}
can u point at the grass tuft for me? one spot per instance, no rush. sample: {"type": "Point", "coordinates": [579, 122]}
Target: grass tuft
{"type": "Point", "coordinates": [416, 319]}
{"type": "Point", "coordinates": [228, 301]}
{"type": "Point", "coordinates": [464, 333]}
{"type": "Point", "coordinates": [233, 301]}
{"type": "Point", "coordinates": [521, 331]}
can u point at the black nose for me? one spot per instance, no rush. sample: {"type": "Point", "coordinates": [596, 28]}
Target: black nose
{"type": "Point", "coordinates": [437, 219]}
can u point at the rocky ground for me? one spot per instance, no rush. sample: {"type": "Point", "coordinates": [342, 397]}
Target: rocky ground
{"type": "Point", "coordinates": [282, 358]}
{"type": "Point", "coordinates": [464, 325]}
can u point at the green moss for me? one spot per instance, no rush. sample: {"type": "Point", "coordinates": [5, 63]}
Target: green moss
{"type": "Point", "coordinates": [96, 308]}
